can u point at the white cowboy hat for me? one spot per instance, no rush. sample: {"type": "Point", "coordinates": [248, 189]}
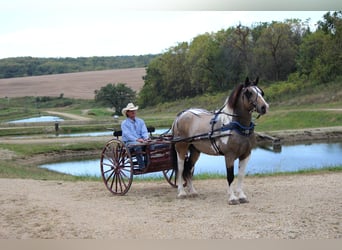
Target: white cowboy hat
{"type": "Point", "coordinates": [130, 106]}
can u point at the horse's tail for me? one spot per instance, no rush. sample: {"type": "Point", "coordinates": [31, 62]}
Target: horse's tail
{"type": "Point", "coordinates": [187, 173]}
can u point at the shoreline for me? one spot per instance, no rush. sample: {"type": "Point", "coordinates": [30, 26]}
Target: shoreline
{"type": "Point", "coordinates": [275, 138]}
{"type": "Point", "coordinates": [305, 135]}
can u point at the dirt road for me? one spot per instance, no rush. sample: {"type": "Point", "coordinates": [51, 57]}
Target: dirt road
{"type": "Point", "coordinates": [283, 207]}
{"type": "Point", "coordinates": [70, 116]}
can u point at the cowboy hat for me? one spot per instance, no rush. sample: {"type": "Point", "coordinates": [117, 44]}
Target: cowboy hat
{"type": "Point", "coordinates": [130, 106]}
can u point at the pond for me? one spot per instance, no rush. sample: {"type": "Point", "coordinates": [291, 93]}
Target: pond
{"type": "Point", "coordinates": [44, 118]}
{"type": "Point", "coordinates": [291, 158]}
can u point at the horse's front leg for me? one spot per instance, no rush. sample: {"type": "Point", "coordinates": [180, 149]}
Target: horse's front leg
{"type": "Point", "coordinates": [232, 199]}
{"type": "Point", "coordinates": [241, 174]}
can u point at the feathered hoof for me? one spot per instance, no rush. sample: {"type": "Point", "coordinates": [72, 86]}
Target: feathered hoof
{"type": "Point", "coordinates": [233, 202]}
{"type": "Point", "coordinates": [243, 200]}
{"type": "Point", "coordinates": [181, 196]}
{"type": "Point", "coordinates": [193, 195]}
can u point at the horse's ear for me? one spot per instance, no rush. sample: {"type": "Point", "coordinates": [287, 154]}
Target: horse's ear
{"type": "Point", "coordinates": [256, 81]}
{"type": "Point", "coordinates": [247, 82]}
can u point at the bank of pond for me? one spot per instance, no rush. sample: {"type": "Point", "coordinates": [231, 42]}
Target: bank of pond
{"type": "Point", "coordinates": [264, 160]}
{"type": "Point", "coordinates": [290, 158]}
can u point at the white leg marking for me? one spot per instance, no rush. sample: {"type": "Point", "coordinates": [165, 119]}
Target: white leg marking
{"type": "Point", "coordinates": [232, 199]}
{"type": "Point", "coordinates": [241, 175]}
{"type": "Point", "coordinates": [192, 190]}
{"type": "Point", "coordinates": [180, 181]}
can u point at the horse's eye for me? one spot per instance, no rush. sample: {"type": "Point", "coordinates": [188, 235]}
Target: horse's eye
{"type": "Point", "coordinates": [248, 94]}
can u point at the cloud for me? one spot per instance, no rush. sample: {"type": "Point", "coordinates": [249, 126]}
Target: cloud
{"type": "Point", "coordinates": [69, 33]}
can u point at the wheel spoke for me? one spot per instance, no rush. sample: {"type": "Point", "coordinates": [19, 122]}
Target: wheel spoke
{"type": "Point", "coordinates": [110, 176]}
{"type": "Point", "coordinates": [116, 167]}
{"type": "Point", "coordinates": [170, 177]}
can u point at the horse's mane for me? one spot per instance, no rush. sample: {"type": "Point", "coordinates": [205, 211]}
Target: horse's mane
{"type": "Point", "coordinates": [233, 97]}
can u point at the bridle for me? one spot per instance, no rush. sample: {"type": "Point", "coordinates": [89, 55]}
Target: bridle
{"type": "Point", "coordinates": [253, 103]}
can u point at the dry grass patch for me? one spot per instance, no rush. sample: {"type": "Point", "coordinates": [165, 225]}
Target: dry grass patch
{"type": "Point", "coordinates": [79, 85]}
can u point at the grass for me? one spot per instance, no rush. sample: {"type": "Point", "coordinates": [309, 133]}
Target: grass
{"type": "Point", "coordinates": [34, 149]}
{"type": "Point", "coordinates": [279, 118]}
{"type": "Point", "coordinates": [293, 119]}
{"type": "Point", "coordinates": [289, 109]}
{"type": "Point", "coordinates": [322, 170]}
{"type": "Point", "coordinates": [10, 169]}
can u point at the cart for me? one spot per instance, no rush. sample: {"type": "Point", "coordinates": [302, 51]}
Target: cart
{"type": "Point", "coordinates": [119, 165]}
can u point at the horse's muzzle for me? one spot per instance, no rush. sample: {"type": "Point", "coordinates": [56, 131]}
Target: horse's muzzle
{"type": "Point", "coordinates": [263, 109]}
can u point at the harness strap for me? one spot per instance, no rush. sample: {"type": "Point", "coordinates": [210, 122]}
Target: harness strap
{"type": "Point", "coordinates": [212, 140]}
{"type": "Point", "coordinates": [242, 130]}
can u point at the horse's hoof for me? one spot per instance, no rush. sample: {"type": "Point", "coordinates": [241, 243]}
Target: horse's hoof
{"type": "Point", "coordinates": [193, 195]}
{"type": "Point", "coordinates": [243, 200]}
{"type": "Point", "coordinates": [181, 196]}
{"type": "Point", "coordinates": [234, 202]}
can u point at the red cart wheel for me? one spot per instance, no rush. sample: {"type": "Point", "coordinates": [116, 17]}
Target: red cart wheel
{"type": "Point", "coordinates": [170, 176]}
{"type": "Point", "coordinates": [116, 167]}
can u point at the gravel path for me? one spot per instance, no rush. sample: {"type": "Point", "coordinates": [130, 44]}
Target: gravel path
{"type": "Point", "coordinates": [282, 207]}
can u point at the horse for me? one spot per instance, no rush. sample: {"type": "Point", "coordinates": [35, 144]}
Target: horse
{"type": "Point", "coordinates": [228, 131]}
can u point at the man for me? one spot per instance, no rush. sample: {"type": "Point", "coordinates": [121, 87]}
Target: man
{"type": "Point", "coordinates": [134, 131]}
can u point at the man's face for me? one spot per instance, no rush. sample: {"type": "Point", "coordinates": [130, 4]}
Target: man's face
{"type": "Point", "coordinates": [131, 113]}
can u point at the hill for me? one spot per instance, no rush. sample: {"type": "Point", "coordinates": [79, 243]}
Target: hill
{"type": "Point", "coordinates": [80, 85]}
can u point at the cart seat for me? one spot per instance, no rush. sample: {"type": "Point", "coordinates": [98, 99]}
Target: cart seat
{"type": "Point", "coordinates": [118, 133]}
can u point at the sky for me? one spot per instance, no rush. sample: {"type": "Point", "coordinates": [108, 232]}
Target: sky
{"type": "Point", "coordinates": [84, 28]}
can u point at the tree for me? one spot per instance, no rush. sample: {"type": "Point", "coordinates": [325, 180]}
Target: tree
{"type": "Point", "coordinates": [199, 61]}
{"type": "Point", "coordinates": [167, 77]}
{"type": "Point", "coordinates": [320, 52]}
{"type": "Point", "coordinates": [150, 94]}
{"type": "Point", "coordinates": [115, 96]}
{"type": "Point", "coordinates": [276, 51]}
{"type": "Point", "coordinates": [311, 50]}
{"type": "Point", "coordinates": [232, 62]}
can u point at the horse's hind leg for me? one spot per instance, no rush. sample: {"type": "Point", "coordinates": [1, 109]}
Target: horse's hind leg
{"type": "Point", "coordinates": [181, 150]}
{"type": "Point", "coordinates": [232, 199]}
{"type": "Point", "coordinates": [194, 155]}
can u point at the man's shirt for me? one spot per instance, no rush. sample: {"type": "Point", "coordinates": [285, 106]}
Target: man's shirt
{"type": "Point", "coordinates": [133, 130]}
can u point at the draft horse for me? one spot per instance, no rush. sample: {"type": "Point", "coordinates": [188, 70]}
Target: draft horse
{"type": "Point", "coordinates": [228, 131]}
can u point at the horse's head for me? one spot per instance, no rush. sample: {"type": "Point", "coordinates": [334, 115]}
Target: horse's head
{"type": "Point", "coordinates": [253, 97]}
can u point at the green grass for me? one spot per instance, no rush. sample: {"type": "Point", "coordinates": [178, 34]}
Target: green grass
{"type": "Point", "coordinates": [322, 170]}
{"type": "Point", "coordinates": [34, 149]}
{"type": "Point", "coordinates": [10, 169]}
{"type": "Point", "coordinates": [292, 119]}
{"type": "Point", "coordinates": [291, 107]}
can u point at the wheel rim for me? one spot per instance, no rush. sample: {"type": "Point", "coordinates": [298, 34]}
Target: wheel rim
{"type": "Point", "coordinates": [116, 167]}
{"type": "Point", "coordinates": [170, 176]}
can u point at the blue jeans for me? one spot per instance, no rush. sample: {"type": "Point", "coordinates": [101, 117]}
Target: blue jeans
{"type": "Point", "coordinates": [138, 154]}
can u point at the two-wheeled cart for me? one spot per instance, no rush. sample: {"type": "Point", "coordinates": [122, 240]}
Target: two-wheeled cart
{"type": "Point", "coordinates": [119, 164]}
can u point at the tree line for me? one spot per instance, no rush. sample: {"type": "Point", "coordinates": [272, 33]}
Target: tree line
{"type": "Point", "coordinates": [33, 66]}
{"type": "Point", "coordinates": [275, 51]}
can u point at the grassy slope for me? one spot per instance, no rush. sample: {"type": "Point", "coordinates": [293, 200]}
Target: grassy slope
{"type": "Point", "coordinates": [313, 106]}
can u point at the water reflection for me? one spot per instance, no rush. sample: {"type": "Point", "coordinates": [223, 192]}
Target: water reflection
{"type": "Point", "coordinates": [292, 158]}
{"type": "Point", "coordinates": [46, 118]}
